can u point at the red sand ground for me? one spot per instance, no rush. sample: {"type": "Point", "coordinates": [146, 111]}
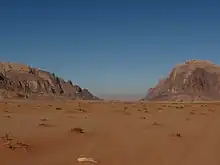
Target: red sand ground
{"type": "Point", "coordinates": [115, 133]}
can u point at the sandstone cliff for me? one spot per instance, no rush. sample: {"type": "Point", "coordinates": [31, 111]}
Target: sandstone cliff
{"type": "Point", "coordinates": [192, 80]}
{"type": "Point", "coordinates": [19, 80]}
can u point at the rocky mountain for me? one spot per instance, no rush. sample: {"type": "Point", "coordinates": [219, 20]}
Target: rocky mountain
{"type": "Point", "coordinates": [22, 81]}
{"type": "Point", "coordinates": [190, 81]}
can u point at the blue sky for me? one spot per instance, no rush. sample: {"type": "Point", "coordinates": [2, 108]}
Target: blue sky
{"type": "Point", "coordinates": [111, 47]}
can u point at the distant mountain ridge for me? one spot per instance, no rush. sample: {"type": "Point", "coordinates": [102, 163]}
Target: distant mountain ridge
{"type": "Point", "coordinates": [22, 81]}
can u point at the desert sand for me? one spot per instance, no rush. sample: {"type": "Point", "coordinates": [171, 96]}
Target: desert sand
{"type": "Point", "coordinates": [112, 133]}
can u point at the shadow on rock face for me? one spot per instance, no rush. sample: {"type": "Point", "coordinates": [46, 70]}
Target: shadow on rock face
{"type": "Point", "coordinates": [27, 82]}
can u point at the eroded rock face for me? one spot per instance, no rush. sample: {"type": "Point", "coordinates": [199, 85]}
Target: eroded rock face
{"type": "Point", "coordinates": [22, 80]}
{"type": "Point", "coordinates": [193, 80]}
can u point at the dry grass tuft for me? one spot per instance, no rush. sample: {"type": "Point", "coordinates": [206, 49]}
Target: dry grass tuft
{"type": "Point", "coordinates": [44, 124]}
{"type": "Point", "coordinates": [178, 134]}
{"type": "Point", "coordinates": [7, 116]}
{"type": "Point", "coordinates": [77, 130]}
{"type": "Point", "coordinates": [44, 119]}
{"type": "Point", "coordinates": [6, 111]}
{"type": "Point", "coordinates": [156, 123]}
{"type": "Point", "coordinates": [81, 110]}
{"type": "Point", "coordinates": [12, 143]}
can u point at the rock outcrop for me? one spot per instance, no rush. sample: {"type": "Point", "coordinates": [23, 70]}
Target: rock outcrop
{"type": "Point", "coordinates": [193, 80]}
{"type": "Point", "coordinates": [19, 80]}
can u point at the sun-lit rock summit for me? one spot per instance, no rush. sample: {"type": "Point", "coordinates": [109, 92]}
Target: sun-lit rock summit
{"type": "Point", "coordinates": [192, 80]}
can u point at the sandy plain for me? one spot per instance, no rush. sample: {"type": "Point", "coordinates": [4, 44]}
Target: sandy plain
{"type": "Point", "coordinates": [112, 133]}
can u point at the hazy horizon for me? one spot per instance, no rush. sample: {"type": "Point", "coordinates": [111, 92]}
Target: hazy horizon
{"type": "Point", "coordinates": [113, 48]}
{"type": "Point", "coordinates": [131, 97]}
